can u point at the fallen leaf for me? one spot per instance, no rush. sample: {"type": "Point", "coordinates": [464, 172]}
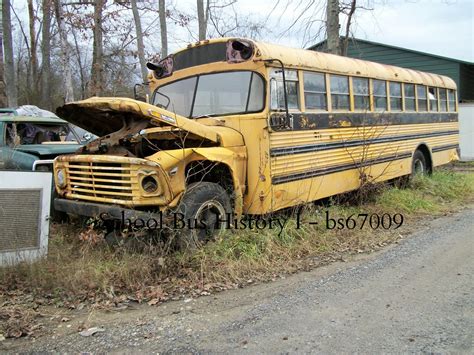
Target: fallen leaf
{"type": "Point", "coordinates": [91, 331]}
{"type": "Point", "coordinates": [153, 301]}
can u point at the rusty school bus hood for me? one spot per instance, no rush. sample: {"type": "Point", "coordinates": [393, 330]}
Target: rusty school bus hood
{"type": "Point", "coordinates": [102, 116]}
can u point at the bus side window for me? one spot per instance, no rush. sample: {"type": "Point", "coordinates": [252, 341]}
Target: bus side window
{"type": "Point", "coordinates": [360, 87]}
{"type": "Point", "coordinates": [433, 97]}
{"type": "Point", "coordinates": [451, 101]}
{"type": "Point", "coordinates": [422, 101]}
{"type": "Point", "coordinates": [339, 92]}
{"type": "Point", "coordinates": [409, 97]}
{"type": "Point", "coordinates": [395, 96]}
{"type": "Point", "coordinates": [277, 96]}
{"type": "Point", "coordinates": [443, 100]}
{"type": "Point", "coordinates": [315, 91]}
{"type": "Point", "coordinates": [380, 95]}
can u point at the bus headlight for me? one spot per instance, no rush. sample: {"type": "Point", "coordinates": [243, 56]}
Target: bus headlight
{"type": "Point", "coordinates": [61, 178]}
{"type": "Point", "coordinates": [149, 184]}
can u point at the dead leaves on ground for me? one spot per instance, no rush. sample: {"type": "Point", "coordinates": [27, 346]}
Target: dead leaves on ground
{"type": "Point", "coordinates": [16, 322]}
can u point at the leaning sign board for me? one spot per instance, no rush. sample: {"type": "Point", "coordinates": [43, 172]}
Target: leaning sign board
{"type": "Point", "coordinates": [25, 199]}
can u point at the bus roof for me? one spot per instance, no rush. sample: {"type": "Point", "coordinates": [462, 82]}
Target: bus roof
{"type": "Point", "coordinates": [298, 58]}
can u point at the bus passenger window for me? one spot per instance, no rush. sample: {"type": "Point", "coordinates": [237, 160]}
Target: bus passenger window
{"type": "Point", "coordinates": [380, 95]}
{"type": "Point", "coordinates": [451, 101]}
{"type": "Point", "coordinates": [409, 97]}
{"type": "Point", "coordinates": [443, 100]}
{"type": "Point", "coordinates": [315, 91]}
{"type": "Point", "coordinates": [433, 96]}
{"type": "Point", "coordinates": [422, 102]}
{"type": "Point", "coordinates": [361, 93]}
{"type": "Point", "coordinates": [340, 92]}
{"type": "Point", "coordinates": [395, 96]}
{"type": "Point", "coordinates": [277, 93]}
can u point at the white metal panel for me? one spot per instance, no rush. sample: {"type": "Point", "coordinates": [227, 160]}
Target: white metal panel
{"type": "Point", "coordinates": [27, 224]}
{"type": "Point", "coordinates": [466, 130]}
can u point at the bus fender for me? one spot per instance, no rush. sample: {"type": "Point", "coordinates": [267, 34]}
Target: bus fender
{"type": "Point", "coordinates": [234, 158]}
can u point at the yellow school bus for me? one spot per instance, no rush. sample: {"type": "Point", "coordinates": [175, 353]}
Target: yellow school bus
{"type": "Point", "coordinates": [244, 127]}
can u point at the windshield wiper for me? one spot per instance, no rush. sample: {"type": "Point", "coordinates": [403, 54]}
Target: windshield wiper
{"type": "Point", "coordinates": [204, 116]}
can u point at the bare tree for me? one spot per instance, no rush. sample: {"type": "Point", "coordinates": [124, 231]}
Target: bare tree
{"type": "Point", "coordinates": [97, 71]}
{"type": "Point", "coordinates": [203, 16]}
{"type": "Point", "coordinates": [225, 20]}
{"type": "Point", "coordinates": [140, 45]}
{"type": "Point", "coordinates": [163, 30]}
{"type": "Point", "coordinates": [33, 51]}
{"type": "Point", "coordinates": [332, 26]}
{"type": "Point", "coordinates": [79, 63]}
{"type": "Point", "coordinates": [8, 67]}
{"type": "Point", "coordinates": [3, 94]}
{"type": "Point", "coordinates": [46, 56]}
{"type": "Point", "coordinates": [65, 53]}
{"type": "Point", "coordinates": [349, 12]}
{"type": "Point", "coordinates": [316, 20]}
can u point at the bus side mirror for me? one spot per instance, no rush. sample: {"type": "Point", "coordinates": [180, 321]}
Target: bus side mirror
{"type": "Point", "coordinates": [140, 92]}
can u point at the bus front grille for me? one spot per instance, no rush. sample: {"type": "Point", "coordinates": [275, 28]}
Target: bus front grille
{"type": "Point", "coordinates": [101, 180]}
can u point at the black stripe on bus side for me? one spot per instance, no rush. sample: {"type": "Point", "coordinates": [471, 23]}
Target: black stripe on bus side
{"type": "Point", "coordinates": [336, 169]}
{"type": "Point", "coordinates": [445, 147]}
{"type": "Point", "coordinates": [308, 148]}
{"type": "Point", "coordinates": [308, 121]}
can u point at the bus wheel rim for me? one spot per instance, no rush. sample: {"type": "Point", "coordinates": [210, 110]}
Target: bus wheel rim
{"type": "Point", "coordinates": [419, 168]}
{"type": "Point", "coordinates": [209, 212]}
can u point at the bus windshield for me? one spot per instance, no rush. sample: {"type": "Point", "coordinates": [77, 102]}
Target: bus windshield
{"type": "Point", "coordinates": [213, 94]}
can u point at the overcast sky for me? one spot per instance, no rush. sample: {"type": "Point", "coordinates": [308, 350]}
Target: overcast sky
{"type": "Point", "coordinates": [443, 27]}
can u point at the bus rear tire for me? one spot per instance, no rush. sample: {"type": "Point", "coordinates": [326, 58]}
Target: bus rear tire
{"type": "Point", "coordinates": [418, 164]}
{"type": "Point", "coordinates": [203, 204]}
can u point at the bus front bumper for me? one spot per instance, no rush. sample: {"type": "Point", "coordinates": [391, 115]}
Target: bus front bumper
{"type": "Point", "coordinates": [102, 211]}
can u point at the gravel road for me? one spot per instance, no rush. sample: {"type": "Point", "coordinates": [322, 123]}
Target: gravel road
{"type": "Point", "coordinates": [416, 296]}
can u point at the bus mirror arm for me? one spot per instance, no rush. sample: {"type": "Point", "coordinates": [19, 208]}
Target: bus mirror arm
{"type": "Point", "coordinates": [288, 117]}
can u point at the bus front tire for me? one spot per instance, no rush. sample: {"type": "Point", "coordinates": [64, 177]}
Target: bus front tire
{"type": "Point", "coordinates": [203, 205]}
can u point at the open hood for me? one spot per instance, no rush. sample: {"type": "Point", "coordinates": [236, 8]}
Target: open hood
{"type": "Point", "coordinates": [103, 116]}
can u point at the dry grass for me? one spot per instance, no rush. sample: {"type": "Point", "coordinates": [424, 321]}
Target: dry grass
{"type": "Point", "coordinates": [76, 272]}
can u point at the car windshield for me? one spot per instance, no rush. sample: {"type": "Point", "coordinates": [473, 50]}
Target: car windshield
{"type": "Point", "coordinates": [213, 94]}
{"type": "Point", "coordinates": [25, 133]}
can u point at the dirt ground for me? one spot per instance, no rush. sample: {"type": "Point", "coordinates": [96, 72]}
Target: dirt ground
{"type": "Point", "coordinates": [413, 296]}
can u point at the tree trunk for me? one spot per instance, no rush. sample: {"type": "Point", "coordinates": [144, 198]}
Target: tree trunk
{"type": "Point", "coordinates": [140, 45]}
{"type": "Point", "coordinates": [202, 19]}
{"type": "Point", "coordinates": [65, 55]}
{"type": "Point", "coordinates": [33, 52]}
{"type": "Point", "coordinates": [164, 31]}
{"type": "Point", "coordinates": [80, 64]}
{"type": "Point", "coordinates": [3, 93]}
{"type": "Point", "coordinates": [96, 87]}
{"type": "Point", "coordinates": [345, 42]}
{"type": "Point", "coordinates": [8, 67]}
{"type": "Point", "coordinates": [332, 26]}
{"type": "Point", "coordinates": [46, 56]}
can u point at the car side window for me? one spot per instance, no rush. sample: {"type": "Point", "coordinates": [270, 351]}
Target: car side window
{"type": "Point", "coordinates": [10, 134]}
